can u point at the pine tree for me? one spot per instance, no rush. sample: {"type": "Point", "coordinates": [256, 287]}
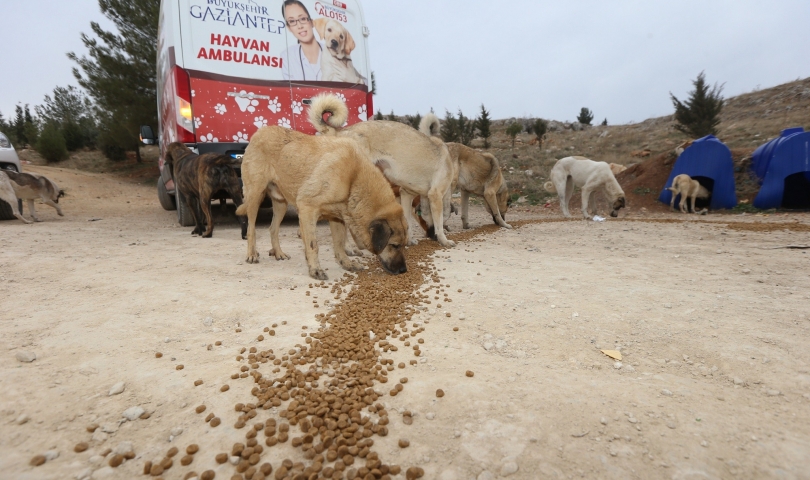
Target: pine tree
{"type": "Point", "coordinates": [120, 71]}
{"type": "Point", "coordinates": [392, 117]}
{"type": "Point", "coordinates": [483, 124]}
{"type": "Point", "coordinates": [414, 120]}
{"type": "Point", "coordinates": [699, 115]}
{"type": "Point", "coordinates": [513, 130]}
{"type": "Point", "coordinates": [373, 83]}
{"type": "Point", "coordinates": [585, 116]}
{"type": "Point", "coordinates": [466, 129]}
{"type": "Point", "coordinates": [449, 129]}
{"type": "Point", "coordinates": [18, 126]}
{"type": "Point", "coordinates": [540, 127]}
{"type": "Point", "coordinates": [73, 112]}
{"type": "Point", "coordinates": [51, 143]}
{"type": "Point", "coordinates": [379, 116]}
{"type": "Point", "coordinates": [604, 122]}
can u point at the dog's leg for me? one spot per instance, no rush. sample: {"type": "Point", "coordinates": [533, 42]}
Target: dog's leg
{"type": "Point", "coordinates": [436, 198]}
{"type": "Point", "coordinates": [406, 200]}
{"type": "Point", "coordinates": [205, 205]}
{"type": "Point", "coordinates": [194, 207]}
{"type": "Point", "coordinates": [338, 230]}
{"type": "Point", "coordinates": [55, 205]}
{"type": "Point", "coordinates": [672, 200]}
{"type": "Point", "coordinates": [279, 209]}
{"type": "Point", "coordinates": [236, 195]}
{"type": "Point", "coordinates": [251, 208]}
{"type": "Point", "coordinates": [308, 221]}
{"type": "Point", "coordinates": [33, 212]}
{"type": "Point", "coordinates": [592, 203]}
{"type": "Point", "coordinates": [694, 199]}
{"type": "Point", "coordinates": [492, 201]}
{"type": "Point", "coordinates": [684, 199]}
{"type": "Point", "coordinates": [567, 191]}
{"type": "Point", "coordinates": [465, 206]}
{"type": "Point", "coordinates": [586, 194]}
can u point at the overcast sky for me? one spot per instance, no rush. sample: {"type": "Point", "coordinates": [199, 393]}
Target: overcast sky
{"type": "Point", "coordinates": [520, 58]}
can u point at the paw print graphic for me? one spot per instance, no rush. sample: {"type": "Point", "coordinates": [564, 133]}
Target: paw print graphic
{"type": "Point", "coordinates": [297, 107]}
{"type": "Point", "coordinates": [197, 122]}
{"type": "Point", "coordinates": [241, 137]}
{"type": "Point", "coordinates": [361, 112]}
{"type": "Point", "coordinates": [284, 123]}
{"type": "Point", "coordinates": [208, 138]}
{"type": "Point", "coordinates": [259, 122]}
{"type": "Point", "coordinates": [220, 109]}
{"type": "Point", "coordinates": [274, 105]}
{"type": "Point", "coordinates": [245, 101]}
{"type": "Point", "coordinates": [192, 94]}
{"type": "Point", "coordinates": [341, 97]}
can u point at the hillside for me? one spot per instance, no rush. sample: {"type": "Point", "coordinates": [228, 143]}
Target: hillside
{"type": "Point", "coordinates": [748, 121]}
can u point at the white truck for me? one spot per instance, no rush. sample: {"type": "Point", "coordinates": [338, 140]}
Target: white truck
{"type": "Point", "coordinates": [227, 68]}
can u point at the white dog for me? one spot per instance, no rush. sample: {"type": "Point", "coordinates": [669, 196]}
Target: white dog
{"type": "Point", "coordinates": [337, 66]}
{"type": "Point", "coordinates": [684, 186]}
{"type": "Point", "coordinates": [8, 196]}
{"type": "Point", "coordinates": [590, 176]}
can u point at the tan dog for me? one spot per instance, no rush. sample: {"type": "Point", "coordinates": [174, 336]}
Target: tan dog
{"type": "Point", "coordinates": [419, 165]}
{"type": "Point", "coordinates": [325, 177]}
{"type": "Point", "coordinates": [337, 66]}
{"type": "Point", "coordinates": [478, 174]}
{"type": "Point", "coordinates": [684, 186]}
{"type": "Point", "coordinates": [28, 187]}
{"type": "Point", "coordinates": [590, 176]}
{"type": "Point", "coordinates": [616, 169]}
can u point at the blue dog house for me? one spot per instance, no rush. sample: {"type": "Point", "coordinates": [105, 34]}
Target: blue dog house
{"type": "Point", "coordinates": [784, 167]}
{"type": "Point", "coordinates": [707, 160]}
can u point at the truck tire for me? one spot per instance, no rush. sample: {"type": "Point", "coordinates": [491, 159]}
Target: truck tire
{"type": "Point", "coordinates": [166, 200]}
{"type": "Point", "coordinates": [184, 216]}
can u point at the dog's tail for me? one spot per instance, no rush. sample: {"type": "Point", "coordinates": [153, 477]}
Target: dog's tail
{"type": "Point", "coordinates": [494, 168]}
{"type": "Point", "coordinates": [550, 188]}
{"type": "Point", "coordinates": [327, 113]}
{"type": "Point", "coordinates": [430, 125]}
{"type": "Point", "coordinates": [241, 209]}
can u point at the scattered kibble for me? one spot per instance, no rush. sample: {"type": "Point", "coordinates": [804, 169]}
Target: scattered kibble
{"type": "Point", "coordinates": [80, 447]}
{"type": "Point", "coordinates": [179, 367]}
{"type": "Point", "coordinates": [200, 409]}
{"type": "Point", "coordinates": [470, 373]}
{"type": "Point", "coordinates": [440, 393]}
{"type": "Point", "coordinates": [158, 354]}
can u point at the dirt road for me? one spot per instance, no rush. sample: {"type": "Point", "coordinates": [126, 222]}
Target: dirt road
{"type": "Point", "coordinates": [712, 325]}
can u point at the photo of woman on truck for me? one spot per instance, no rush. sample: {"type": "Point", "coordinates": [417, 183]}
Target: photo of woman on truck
{"type": "Point", "coordinates": [303, 60]}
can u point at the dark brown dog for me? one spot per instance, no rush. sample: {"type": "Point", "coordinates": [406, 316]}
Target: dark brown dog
{"type": "Point", "coordinates": [198, 178]}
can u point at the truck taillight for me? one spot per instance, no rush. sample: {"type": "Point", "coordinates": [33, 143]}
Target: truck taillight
{"type": "Point", "coordinates": [185, 115]}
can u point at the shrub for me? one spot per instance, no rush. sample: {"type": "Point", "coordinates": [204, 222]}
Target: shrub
{"type": "Point", "coordinates": [51, 144]}
{"type": "Point", "coordinates": [483, 123]}
{"type": "Point", "coordinates": [540, 127]}
{"type": "Point", "coordinates": [513, 130]}
{"type": "Point", "coordinates": [585, 116]}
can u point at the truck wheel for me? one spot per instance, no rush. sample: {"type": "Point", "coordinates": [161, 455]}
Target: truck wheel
{"type": "Point", "coordinates": [166, 200]}
{"type": "Point", "coordinates": [184, 216]}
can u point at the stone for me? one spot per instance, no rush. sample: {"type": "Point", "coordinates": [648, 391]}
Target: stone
{"type": "Point", "coordinates": [26, 356]}
{"type": "Point", "coordinates": [109, 428]}
{"type": "Point", "coordinates": [430, 415]}
{"type": "Point", "coordinates": [123, 448]}
{"type": "Point", "coordinates": [488, 346]}
{"type": "Point", "coordinates": [132, 413]}
{"type": "Point", "coordinates": [208, 321]}
{"type": "Point", "coordinates": [117, 388]}
{"type": "Point", "coordinates": [666, 393]}
{"type": "Point", "coordinates": [104, 472]}
{"type": "Point", "coordinates": [99, 436]}
{"type": "Point", "coordinates": [96, 459]}
{"type": "Point", "coordinates": [603, 421]}
{"type": "Point", "coordinates": [51, 455]}
{"type": "Point", "coordinates": [485, 475]}
{"type": "Point", "coordinates": [617, 365]}
{"type": "Point", "coordinates": [22, 419]}
{"type": "Point", "coordinates": [773, 393]}
{"type": "Point", "coordinates": [746, 271]}
{"type": "Point", "coordinates": [84, 474]}
{"type": "Point", "coordinates": [508, 468]}
{"type": "Point", "coordinates": [739, 381]}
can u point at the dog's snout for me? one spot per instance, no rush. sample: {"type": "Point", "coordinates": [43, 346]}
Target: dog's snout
{"type": "Point", "coordinates": [614, 213]}
{"type": "Point", "coordinates": [334, 43]}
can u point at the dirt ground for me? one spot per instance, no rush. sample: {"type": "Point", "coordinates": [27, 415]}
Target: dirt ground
{"type": "Point", "coordinates": [710, 318]}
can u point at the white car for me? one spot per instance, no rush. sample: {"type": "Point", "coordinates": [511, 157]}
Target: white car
{"type": "Point", "coordinates": [8, 161]}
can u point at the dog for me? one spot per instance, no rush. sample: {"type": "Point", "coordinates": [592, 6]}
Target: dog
{"type": "Point", "coordinates": [418, 164]}
{"type": "Point", "coordinates": [684, 186]}
{"type": "Point", "coordinates": [680, 148]}
{"type": "Point", "coordinates": [323, 176]}
{"type": "Point", "coordinates": [29, 187]}
{"type": "Point", "coordinates": [478, 174]}
{"type": "Point", "coordinates": [616, 169]}
{"type": "Point", "coordinates": [198, 178]}
{"type": "Point", "coordinates": [337, 66]}
{"type": "Point", "coordinates": [590, 176]}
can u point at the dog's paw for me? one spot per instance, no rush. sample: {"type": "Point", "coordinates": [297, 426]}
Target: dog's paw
{"type": "Point", "coordinates": [60, 214]}
{"type": "Point", "coordinates": [208, 234]}
{"type": "Point", "coordinates": [253, 258]}
{"type": "Point", "coordinates": [351, 266]}
{"type": "Point", "coordinates": [353, 252]}
{"type": "Point", "coordinates": [318, 274]}
{"type": "Point", "coordinates": [447, 243]}
{"type": "Point", "coordinates": [506, 225]}
{"type": "Point", "coordinates": [278, 255]}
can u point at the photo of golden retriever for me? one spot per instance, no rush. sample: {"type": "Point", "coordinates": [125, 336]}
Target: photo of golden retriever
{"type": "Point", "coordinates": [29, 187]}
{"type": "Point", "coordinates": [590, 176]}
{"type": "Point", "coordinates": [337, 65]}
{"type": "Point", "coordinates": [322, 177]}
{"type": "Point", "coordinates": [684, 186]}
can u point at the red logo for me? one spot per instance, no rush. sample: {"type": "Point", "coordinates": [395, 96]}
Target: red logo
{"type": "Point", "coordinates": [339, 4]}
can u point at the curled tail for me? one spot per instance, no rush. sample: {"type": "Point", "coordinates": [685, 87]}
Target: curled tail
{"type": "Point", "coordinates": [327, 113]}
{"type": "Point", "coordinates": [430, 125]}
{"type": "Point", "coordinates": [494, 168]}
{"type": "Point", "coordinates": [550, 188]}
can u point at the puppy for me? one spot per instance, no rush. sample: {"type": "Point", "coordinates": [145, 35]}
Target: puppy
{"type": "Point", "coordinates": [590, 176]}
{"type": "Point", "coordinates": [419, 165]}
{"type": "Point", "coordinates": [198, 178]}
{"type": "Point", "coordinates": [30, 186]}
{"type": "Point", "coordinates": [323, 176]}
{"type": "Point", "coordinates": [616, 169]}
{"type": "Point", "coordinates": [684, 186]}
{"type": "Point", "coordinates": [7, 195]}
{"type": "Point", "coordinates": [337, 66]}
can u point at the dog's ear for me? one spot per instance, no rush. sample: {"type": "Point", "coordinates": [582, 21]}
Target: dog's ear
{"type": "Point", "coordinates": [380, 233]}
{"type": "Point", "coordinates": [320, 26]}
{"type": "Point", "coordinates": [349, 45]}
{"type": "Point", "coordinates": [61, 193]}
